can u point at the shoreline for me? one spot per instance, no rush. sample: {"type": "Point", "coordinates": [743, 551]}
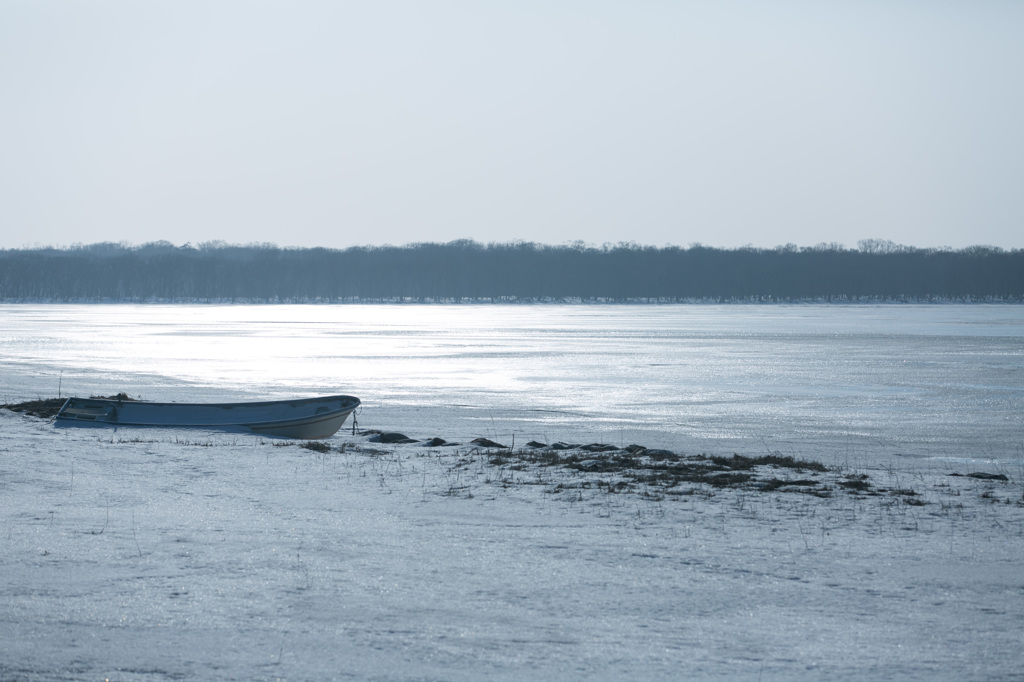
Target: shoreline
{"type": "Point", "coordinates": [655, 473]}
{"type": "Point", "coordinates": [838, 301]}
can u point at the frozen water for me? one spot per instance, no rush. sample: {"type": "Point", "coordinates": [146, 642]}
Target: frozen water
{"type": "Point", "coordinates": [912, 381]}
{"type": "Point", "coordinates": [155, 555]}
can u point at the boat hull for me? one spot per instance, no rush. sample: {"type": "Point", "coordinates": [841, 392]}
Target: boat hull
{"type": "Point", "coordinates": [308, 418]}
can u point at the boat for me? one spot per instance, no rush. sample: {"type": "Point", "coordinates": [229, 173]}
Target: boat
{"type": "Point", "coordinates": [308, 418]}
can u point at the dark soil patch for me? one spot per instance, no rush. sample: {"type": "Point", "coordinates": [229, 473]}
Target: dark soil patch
{"type": "Point", "coordinates": [739, 462]}
{"type": "Point", "coordinates": [488, 443]}
{"type": "Point", "coordinates": [988, 477]}
{"type": "Point", "coordinates": [777, 483]}
{"type": "Point", "coordinates": [860, 483]}
{"type": "Point", "coordinates": [437, 442]}
{"type": "Point", "coordinates": [391, 437]}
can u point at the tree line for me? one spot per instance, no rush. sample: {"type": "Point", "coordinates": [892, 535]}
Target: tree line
{"type": "Point", "coordinates": [464, 271]}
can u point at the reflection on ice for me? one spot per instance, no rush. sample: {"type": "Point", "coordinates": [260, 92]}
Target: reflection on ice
{"type": "Point", "coordinates": [939, 380]}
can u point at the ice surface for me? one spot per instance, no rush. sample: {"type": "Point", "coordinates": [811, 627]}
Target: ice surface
{"type": "Point", "coordinates": [823, 381]}
{"type": "Point", "coordinates": [160, 554]}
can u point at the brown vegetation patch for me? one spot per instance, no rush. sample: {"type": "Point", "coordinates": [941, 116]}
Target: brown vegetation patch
{"type": "Point", "coordinates": [665, 470]}
{"type": "Point", "coordinates": [43, 408]}
{"type": "Point", "coordinates": [47, 408]}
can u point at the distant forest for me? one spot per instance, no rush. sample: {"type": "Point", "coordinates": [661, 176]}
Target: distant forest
{"type": "Point", "coordinates": [466, 271]}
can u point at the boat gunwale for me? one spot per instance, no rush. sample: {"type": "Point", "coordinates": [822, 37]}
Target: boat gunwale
{"type": "Point", "coordinates": [246, 403]}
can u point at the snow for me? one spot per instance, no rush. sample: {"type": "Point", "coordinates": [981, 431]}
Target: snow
{"type": "Point", "coordinates": [165, 554]}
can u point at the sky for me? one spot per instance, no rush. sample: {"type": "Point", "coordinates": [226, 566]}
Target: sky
{"type": "Point", "coordinates": [332, 123]}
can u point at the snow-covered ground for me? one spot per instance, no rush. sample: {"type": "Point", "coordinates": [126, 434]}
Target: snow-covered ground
{"type": "Point", "coordinates": [155, 555]}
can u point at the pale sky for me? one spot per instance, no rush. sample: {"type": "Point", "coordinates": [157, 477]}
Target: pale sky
{"type": "Point", "coordinates": [329, 123]}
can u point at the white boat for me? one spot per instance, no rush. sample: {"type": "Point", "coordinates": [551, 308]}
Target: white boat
{"type": "Point", "coordinates": [304, 418]}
